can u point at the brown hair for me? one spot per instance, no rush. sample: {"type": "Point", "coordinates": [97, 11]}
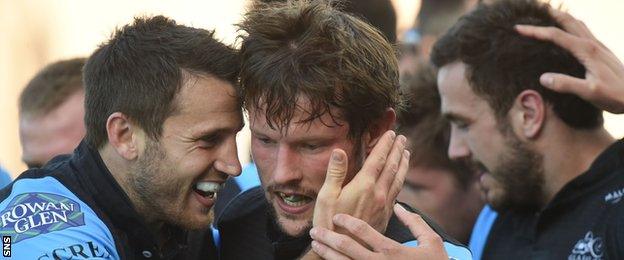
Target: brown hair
{"type": "Point", "coordinates": [309, 49]}
{"type": "Point", "coordinates": [140, 70]}
{"type": "Point", "coordinates": [501, 63]}
{"type": "Point", "coordinates": [51, 87]}
{"type": "Point", "coordinates": [427, 131]}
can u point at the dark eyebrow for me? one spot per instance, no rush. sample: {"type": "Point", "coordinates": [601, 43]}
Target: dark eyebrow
{"type": "Point", "coordinates": [452, 117]}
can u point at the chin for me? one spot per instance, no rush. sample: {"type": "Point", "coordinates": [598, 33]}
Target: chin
{"type": "Point", "coordinates": [198, 219]}
{"type": "Point", "coordinates": [294, 227]}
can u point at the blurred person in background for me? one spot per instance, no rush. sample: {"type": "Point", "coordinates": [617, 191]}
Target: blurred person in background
{"type": "Point", "coordinates": [314, 79]}
{"type": "Point", "coordinates": [548, 166]}
{"type": "Point", "coordinates": [446, 190]}
{"type": "Point", "coordinates": [51, 112]}
{"type": "Point", "coordinates": [433, 19]}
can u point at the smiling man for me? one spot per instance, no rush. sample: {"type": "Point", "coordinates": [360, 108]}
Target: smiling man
{"type": "Point", "coordinates": [162, 115]}
{"type": "Point", "coordinates": [314, 79]}
{"type": "Point", "coordinates": [548, 166]}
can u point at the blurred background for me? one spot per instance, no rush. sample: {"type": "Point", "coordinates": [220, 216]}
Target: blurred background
{"type": "Point", "coordinates": [34, 33]}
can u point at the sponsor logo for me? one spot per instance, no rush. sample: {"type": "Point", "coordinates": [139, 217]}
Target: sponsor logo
{"type": "Point", "coordinates": [588, 248]}
{"type": "Point", "coordinates": [80, 251]}
{"type": "Point", "coordinates": [31, 214]}
{"type": "Point", "coordinates": [614, 196]}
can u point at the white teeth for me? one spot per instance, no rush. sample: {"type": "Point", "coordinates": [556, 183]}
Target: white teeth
{"type": "Point", "coordinates": [207, 186]}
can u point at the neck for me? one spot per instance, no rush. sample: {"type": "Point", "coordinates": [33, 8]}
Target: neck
{"type": "Point", "coordinates": [570, 153]}
{"type": "Point", "coordinates": [121, 170]}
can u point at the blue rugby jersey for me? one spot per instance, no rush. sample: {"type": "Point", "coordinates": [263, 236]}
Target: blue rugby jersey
{"type": "Point", "coordinates": [74, 209]}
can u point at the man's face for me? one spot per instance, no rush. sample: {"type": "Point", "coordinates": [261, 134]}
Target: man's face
{"type": "Point", "coordinates": [511, 174]}
{"type": "Point", "coordinates": [57, 132]}
{"type": "Point", "coordinates": [292, 163]}
{"type": "Point", "coordinates": [197, 148]}
{"type": "Point", "coordinates": [438, 193]}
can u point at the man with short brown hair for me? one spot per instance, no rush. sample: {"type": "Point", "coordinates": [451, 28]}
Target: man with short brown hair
{"type": "Point", "coordinates": [317, 83]}
{"type": "Point", "coordinates": [51, 112]}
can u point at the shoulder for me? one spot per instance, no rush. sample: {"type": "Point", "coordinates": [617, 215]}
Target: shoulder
{"type": "Point", "coordinates": [42, 218]}
{"type": "Point", "coordinates": [245, 203]}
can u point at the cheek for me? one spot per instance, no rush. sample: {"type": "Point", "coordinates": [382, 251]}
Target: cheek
{"type": "Point", "coordinates": [315, 167]}
{"type": "Point", "coordinates": [264, 160]}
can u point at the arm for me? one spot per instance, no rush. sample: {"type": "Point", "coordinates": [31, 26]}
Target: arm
{"type": "Point", "coordinates": [332, 245]}
{"type": "Point", "coordinates": [603, 84]}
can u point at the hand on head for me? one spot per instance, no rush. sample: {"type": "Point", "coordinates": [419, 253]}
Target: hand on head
{"type": "Point", "coordinates": [603, 84]}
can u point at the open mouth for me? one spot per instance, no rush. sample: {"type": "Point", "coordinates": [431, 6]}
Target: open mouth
{"type": "Point", "coordinates": [294, 203]}
{"type": "Point", "coordinates": [294, 200]}
{"type": "Point", "coordinates": [207, 189]}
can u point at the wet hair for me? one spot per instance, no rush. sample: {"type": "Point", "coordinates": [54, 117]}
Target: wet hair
{"type": "Point", "coordinates": [139, 71]}
{"type": "Point", "coordinates": [310, 50]}
{"type": "Point", "coordinates": [500, 63]}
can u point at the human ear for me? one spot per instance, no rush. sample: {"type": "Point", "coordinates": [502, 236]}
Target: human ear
{"type": "Point", "coordinates": [528, 113]}
{"type": "Point", "coordinates": [123, 135]}
{"type": "Point", "coordinates": [376, 130]}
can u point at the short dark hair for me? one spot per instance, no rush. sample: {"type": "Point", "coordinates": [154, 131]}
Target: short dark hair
{"type": "Point", "coordinates": [500, 63]}
{"type": "Point", "coordinates": [310, 49]}
{"type": "Point", "coordinates": [51, 86]}
{"type": "Point", "coordinates": [378, 13]}
{"type": "Point", "coordinates": [140, 70]}
{"type": "Point", "coordinates": [427, 131]}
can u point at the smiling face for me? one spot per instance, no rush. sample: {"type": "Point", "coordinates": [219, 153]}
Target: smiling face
{"type": "Point", "coordinates": [292, 163]}
{"type": "Point", "coordinates": [197, 146]}
{"type": "Point", "coordinates": [511, 174]}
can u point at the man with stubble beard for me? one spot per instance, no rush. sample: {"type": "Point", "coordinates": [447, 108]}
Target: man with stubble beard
{"type": "Point", "coordinates": [549, 167]}
{"type": "Point", "coordinates": [318, 84]}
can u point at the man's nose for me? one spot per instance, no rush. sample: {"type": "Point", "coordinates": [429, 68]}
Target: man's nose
{"type": "Point", "coordinates": [287, 168]}
{"type": "Point", "coordinates": [457, 147]}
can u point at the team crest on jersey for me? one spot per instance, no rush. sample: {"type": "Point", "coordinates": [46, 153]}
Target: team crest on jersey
{"type": "Point", "coordinates": [614, 196]}
{"type": "Point", "coordinates": [588, 248]}
{"type": "Point", "coordinates": [31, 214]}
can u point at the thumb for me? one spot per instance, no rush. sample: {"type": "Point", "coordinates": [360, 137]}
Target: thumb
{"type": "Point", "coordinates": [330, 191]}
{"type": "Point", "coordinates": [336, 172]}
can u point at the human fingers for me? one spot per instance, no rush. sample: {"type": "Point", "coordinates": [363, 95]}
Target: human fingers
{"type": "Point", "coordinates": [340, 243]}
{"type": "Point", "coordinates": [397, 184]}
{"type": "Point", "coordinates": [393, 162]}
{"type": "Point", "coordinates": [420, 229]}
{"type": "Point", "coordinates": [327, 252]}
{"type": "Point", "coordinates": [364, 232]}
{"type": "Point", "coordinates": [571, 24]}
{"type": "Point", "coordinates": [376, 160]}
{"type": "Point", "coordinates": [559, 37]}
{"type": "Point", "coordinates": [330, 191]}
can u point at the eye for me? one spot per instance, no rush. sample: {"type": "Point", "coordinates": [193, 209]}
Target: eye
{"type": "Point", "coordinates": [309, 146]}
{"type": "Point", "coordinates": [210, 141]}
{"type": "Point", "coordinates": [460, 125]}
{"type": "Point", "coordinates": [265, 140]}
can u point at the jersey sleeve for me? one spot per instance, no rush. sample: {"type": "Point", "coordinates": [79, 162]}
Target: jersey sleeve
{"type": "Point", "coordinates": [42, 219]}
{"type": "Point", "coordinates": [455, 252]}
